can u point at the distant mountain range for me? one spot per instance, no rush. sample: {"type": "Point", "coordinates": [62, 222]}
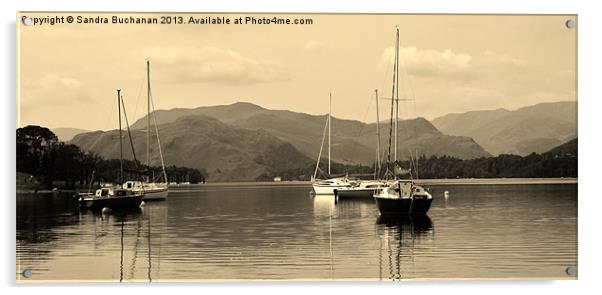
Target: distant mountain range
{"type": "Point", "coordinates": [66, 134]}
{"type": "Point", "coordinates": [243, 141]}
{"type": "Point", "coordinates": [353, 142]}
{"type": "Point", "coordinates": [226, 152]}
{"type": "Point", "coordinates": [536, 128]}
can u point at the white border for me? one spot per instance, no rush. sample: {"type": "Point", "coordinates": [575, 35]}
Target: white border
{"type": "Point", "coordinates": [590, 73]}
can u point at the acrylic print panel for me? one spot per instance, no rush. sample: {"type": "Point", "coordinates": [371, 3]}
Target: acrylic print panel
{"type": "Point", "coordinates": [201, 147]}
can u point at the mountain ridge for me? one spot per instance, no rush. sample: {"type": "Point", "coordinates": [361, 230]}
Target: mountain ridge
{"type": "Point", "coordinates": [227, 153]}
{"type": "Point", "coordinates": [534, 128]}
{"type": "Point", "coordinates": [66, 133]}
{"type": "Point", "coordinates": [353, 142]}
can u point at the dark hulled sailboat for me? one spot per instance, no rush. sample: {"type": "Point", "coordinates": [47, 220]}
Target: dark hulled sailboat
{"type": "Point", "coordinates": [400, 196]}
{"type": "Point", "coordinates": [114, 197]}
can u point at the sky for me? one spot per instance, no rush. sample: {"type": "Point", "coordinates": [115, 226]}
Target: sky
{"type": "Point", "coordinates": [68, 73]}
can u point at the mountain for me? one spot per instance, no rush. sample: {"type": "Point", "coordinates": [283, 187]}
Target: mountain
{"type": "Point", "coordinates": [535, 128]}
{"type": "Point", "coordinates": [352, 141]}
{"type": "Point", "coordinates": [226, 152]}
{"type": "Point", "coordinates": [569, 147]}
{"type": "Point", "coordinates": [66, 134]}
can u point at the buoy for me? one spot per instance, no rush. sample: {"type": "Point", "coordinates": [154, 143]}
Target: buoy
{"type": "Point", "coordinates": [142, 204]}
{"type": "Point", "coordinates": [106, 210]}
{"type": "Point", "coordinates": [446, 194]}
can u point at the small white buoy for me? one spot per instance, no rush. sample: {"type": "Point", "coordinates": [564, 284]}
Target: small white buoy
{"type": "Point", "coordinates": [446, 194]}
{"type": "Point", "coordinates": [142, 204]}
{"type": "Point", "coordinates": [106, 210]}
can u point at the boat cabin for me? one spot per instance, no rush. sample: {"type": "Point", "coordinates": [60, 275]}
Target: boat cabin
{"type": "Point", "coordinates": [402, 188]}
{"type": "Point", "coordinates": [111, 193]}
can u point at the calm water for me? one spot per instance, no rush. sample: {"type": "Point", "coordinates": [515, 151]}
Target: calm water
{"type": "Point", "coordinates": [281, 232]}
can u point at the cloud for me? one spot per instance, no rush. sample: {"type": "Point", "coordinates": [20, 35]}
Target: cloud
{"type": "Point", "coordinates": [52, 90]}
{"type": "Point", "coordinates": [449, 64]}
{"type": "Point", "coordinates": [444, 81]}
{"type": "Point", "coordinates": [312, 45]}
{"type": "Point", "coordinates": [211, 64]}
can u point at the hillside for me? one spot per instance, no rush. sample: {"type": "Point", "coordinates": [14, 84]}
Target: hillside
{"type": "Point", "coordinates": [226, 152]}
{"type": "Point", "coordinates": [66, 134]}
{"type": "Point", "coordinates": [536, 128]}
{"type": "Point", "coordinates": [569, 147]}
{"type": "Point", "coordinates": [353, 142]}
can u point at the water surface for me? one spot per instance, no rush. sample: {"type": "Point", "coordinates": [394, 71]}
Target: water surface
{"type": "Point", "coordinates": [255, 232]}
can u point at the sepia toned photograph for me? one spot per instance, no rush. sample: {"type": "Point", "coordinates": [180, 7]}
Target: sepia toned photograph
{"type": "Point", "coordinates": [202, 147]}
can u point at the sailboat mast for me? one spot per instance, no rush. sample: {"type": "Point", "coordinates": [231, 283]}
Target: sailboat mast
{"type": "Point", "coordinates": [377, 132]}
{"type": "Point", "coordinates": [127, 124]}
{"type": "Point", "coordinates": [151, 105]}
{"type": "Point", "coordinates": [148, 90]}
{"type": "Point", "coordinates": [321, 147]}
{"type": "Point", "coordinates": [396, 90]}
{"type": "Point", "coordinates": [120, 138]}
{"type": "Point", "coordinates": [329, 120]}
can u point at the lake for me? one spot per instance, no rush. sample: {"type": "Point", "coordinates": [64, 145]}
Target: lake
{"type": "Point", "coordinates": [280, 231]}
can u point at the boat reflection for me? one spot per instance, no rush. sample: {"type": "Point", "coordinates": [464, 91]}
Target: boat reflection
{"type": "Point", "coordinates": [354, 208]}
{"type": "Point", "coordinates": [323, 204]}
{"type": "Point", "coordinates": [138, 232]}
{"type": "Point", "coordinates": [417, 224]}
{"type": "Point", "coordinates": [399, 237]}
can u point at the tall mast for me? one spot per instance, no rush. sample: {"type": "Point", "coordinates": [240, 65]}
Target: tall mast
{"type": "Point", "coordinates": [127, 124]}
{"type": "Point", "coordinates": [329, 119]}
{"type": "Point", "coordinates": [321, 147]}
{"type": "Point", "coordinates": [396, 90]}
{"type": "Point", "coordinates": [151, 105]}
{"type": "Point", "coordinates": [377, 133]}
{"type": "Point", "coordinates": [148, 90]}
{"type": "Point", "coordinates": [120, 140]}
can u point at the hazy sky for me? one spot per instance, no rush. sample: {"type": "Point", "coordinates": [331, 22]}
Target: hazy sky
{"type": "Point", "coordinates": [68, 73]}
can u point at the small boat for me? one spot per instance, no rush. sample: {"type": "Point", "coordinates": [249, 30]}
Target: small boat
{"type": "Point", "coordinates": [361, 189]}
{"type": "Point", "coordinates": [113, 198]}
{"type": "Point", "coordinates": [330, 186]}
{"type": "Point", "coordinates": [403, 197]}
{"type": "Point", "coordinates": [151, 191]}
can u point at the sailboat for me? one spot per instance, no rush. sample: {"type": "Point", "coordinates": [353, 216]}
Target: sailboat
{"type": "Point", "coordinates": [332, 185]}
{"type": "Point", "coordinates": [401, 196]}
{"type": "Point", "coordinates": [366, 188]}
{"type": "Point", "coordinates": [151, 189]}
{"type": "Point", "coordinates": [114, 197]}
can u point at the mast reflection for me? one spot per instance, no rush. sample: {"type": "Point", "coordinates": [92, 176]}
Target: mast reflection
{"type": "Point", "coordinates": [399, 236]}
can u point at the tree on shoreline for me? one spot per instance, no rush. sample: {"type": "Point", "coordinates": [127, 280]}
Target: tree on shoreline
{"type": "Point", "coordinates": [40, 154]}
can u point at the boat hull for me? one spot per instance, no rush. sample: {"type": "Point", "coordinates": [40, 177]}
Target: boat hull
{"type": "Point", "coordinates": [116, 203]}
{"type": "Point", "coordinates": [327, 189]}
{"type": "Point", "coordinates": [155, 195]}
{"type": "Point", "coordinates": [355, 193]}
{"type": "Point", "coordinates": [400, 206]}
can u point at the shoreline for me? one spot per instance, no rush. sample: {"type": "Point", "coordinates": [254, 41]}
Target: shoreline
{"type": "Point", "coordinates": [492, 181]}
{"type": "Point", "coordinates": [457, 181]}
{"type": "Point", "coordinates": [463, 181]}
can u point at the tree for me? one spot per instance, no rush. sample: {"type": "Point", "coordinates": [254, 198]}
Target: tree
{"type": "Point", "coordinates": [32, 142]}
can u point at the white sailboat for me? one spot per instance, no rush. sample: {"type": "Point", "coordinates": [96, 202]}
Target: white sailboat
{"type": "Point", "coordinates": [152, 190]}
{"type": "Point", "coordinates": [332, 185]}
{"type": "Point", "coordinates": [367, 188]}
